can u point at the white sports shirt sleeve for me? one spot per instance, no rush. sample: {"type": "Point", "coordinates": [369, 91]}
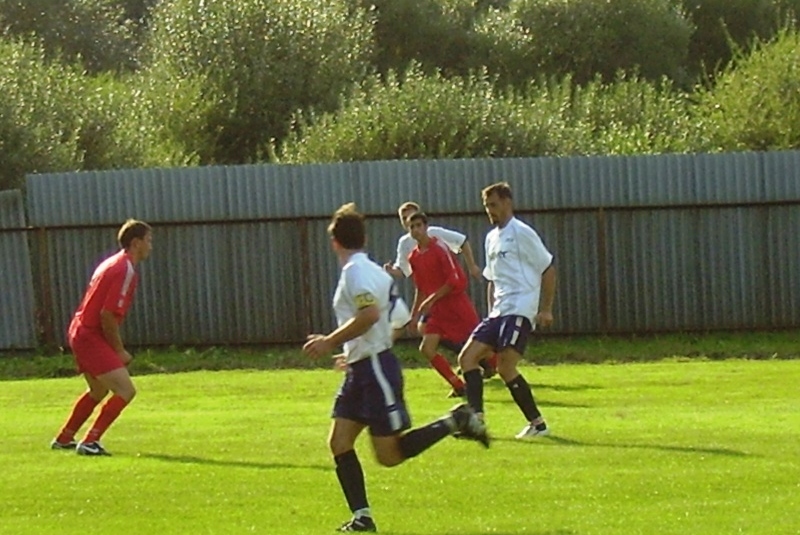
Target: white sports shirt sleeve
{"type": "Point", "coordinates": [452, 238]}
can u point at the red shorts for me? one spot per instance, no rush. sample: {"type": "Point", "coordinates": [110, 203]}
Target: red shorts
{"type": "Point", "coordinates": [453, 319]}
{"type": "Point", "coordinates": [93, 354]}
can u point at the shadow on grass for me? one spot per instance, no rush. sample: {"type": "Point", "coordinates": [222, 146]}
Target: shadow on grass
{"type": "Point", "coordinates": [496, 383]}
{"type": "Point", "coordinates": [466, 532]}
{"type": "Point", "coordinates": [563, 441]}
{"type": "Point", "coordinates": [188, 459]}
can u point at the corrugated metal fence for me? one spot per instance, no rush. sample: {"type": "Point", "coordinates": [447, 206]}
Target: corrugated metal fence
{"type": "Point", "coordinates": [643, 244]}
{"type": "Point", "coordinates": [17, 324]}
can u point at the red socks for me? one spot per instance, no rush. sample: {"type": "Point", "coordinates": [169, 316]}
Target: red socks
{"type": "Point", "coordinates": [443, 367]}
{"type": "Point", "coordinates": [80, 413]}
{"type": "Point", "coordinates": [108, 414]}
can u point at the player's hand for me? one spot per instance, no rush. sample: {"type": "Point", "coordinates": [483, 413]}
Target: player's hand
{"type": "Point", "coordinates": [412, 328]}
{"type": "Point", "coordinates": [425, 308]}
{"type": "Point", "coordinates": [340, 362]}
{"type": "Point", "coordinates": [125, 357]}
{"type": "Point", "coordinates": [544, 319]}
{"type": "Point", "coordinates": [391, 270]}
{"type": "Point", "coordinates": [475, 271]}
{"type": "Point", "coordinates": [317, 345]}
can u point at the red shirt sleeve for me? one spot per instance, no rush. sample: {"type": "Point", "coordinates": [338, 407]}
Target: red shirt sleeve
{"type": "Point", "coordinates": [119, 289]}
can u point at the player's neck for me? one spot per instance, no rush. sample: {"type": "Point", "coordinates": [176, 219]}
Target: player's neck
{"type": "Point", "coordinates": [502, 224]}
{"type": "Point", "coordinates": [132, 256]}
{"type": "Point", "coordinates": [345, 254]}
{"type": "Point", "coordinates": [424, 242]}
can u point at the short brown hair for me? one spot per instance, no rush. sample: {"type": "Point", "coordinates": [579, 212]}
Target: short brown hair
{"type": "Point", "coordinates": [417, 216]}
{"type": "Point", "coordinates": [347, 227]}
{"type": "Point", "coordinates": [130, 230]}
{"type": "Point", "coordinates": [501, 189]}
{"type": "Point", "coordinates": [406, 205]}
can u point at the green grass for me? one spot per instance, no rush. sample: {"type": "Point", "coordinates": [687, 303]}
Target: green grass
{"type": "Point", "coordinates": [701, 447]}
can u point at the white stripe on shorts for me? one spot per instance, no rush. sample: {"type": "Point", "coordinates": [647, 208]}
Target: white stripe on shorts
{"type": "Point", "coordinates": [514, 336]}
{"type": "Point", "coordinates": [388, 395]}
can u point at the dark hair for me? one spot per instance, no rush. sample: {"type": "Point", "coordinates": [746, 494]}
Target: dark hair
{"type": "Point", "coordinates": [417, 216]}
{"type": "Point", "coordinates": [501, 189]}
{"type": "Point", "coordinates": [130, 230]}
{"type": "Point", "coordinates": [347, 227]}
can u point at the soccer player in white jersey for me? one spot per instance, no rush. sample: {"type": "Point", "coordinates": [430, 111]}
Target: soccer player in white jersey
{"type": "Point", "coordinates": [522, 285]}
{"type": "Point", "coordinates": [456, 241]}
{"type": "Point", "coordinates": [371, 395]}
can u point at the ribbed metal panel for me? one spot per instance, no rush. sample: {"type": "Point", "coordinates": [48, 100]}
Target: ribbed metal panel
{"type": "Point", "coordinates": [17, 320]}
{"type": "Point", "coordinates": [241, 254]}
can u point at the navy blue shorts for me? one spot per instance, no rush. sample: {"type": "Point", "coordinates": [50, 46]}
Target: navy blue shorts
{"type": "Point", "coordinates": [503, 332]}
{"type": "Point", "coordinates": [372, 394]}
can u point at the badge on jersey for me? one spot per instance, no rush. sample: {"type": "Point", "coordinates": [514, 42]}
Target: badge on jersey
{"type": "Point", "coordinates": [365, 300]}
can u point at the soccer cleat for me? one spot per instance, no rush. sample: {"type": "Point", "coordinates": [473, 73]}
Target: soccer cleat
{"type": "Point", "coordinates": [532, 430]}
{"type": "Point", "coordinates": [362, 523]}
{"type": "Point", "coordinates": [469, 425]}
{"type": "Point", "coordinates": [56, 445]}
{"type": "Point", "coordinates": [457, 393]}
{"type": "Point", "coordinates": [90, 448]}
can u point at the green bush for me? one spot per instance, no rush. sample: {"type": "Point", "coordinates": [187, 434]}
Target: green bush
{"type": "Point", "coordinates": [39, 114]}
{"type": "Point", "coordinates": [417, 117]}
{"type": "Point", "coordinates": [719, 24]}
{"type": "Point", "coordinates": [435, 117]}
{"type": "Point", "coordinates": [629, 116]}
{"type": "Point", "coordinates": [130, 122]}
{"type": "Point", "coordinates": [755, 102]}
{"type": "Point", "coordinates": [586, 38]}
{"type": "Point", "coordinates": [435, 34]}
{"type": "Point", "coordinates": [94, 32]}
{"type": "Point", "coordinates": [261, 61]}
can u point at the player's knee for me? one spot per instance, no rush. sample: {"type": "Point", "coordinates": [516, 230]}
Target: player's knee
{"type": "Point", "coordinates": [338, 445]}
{"type": "Point", "coordinates": [388, 458]}
{"type": "Point", "coordinates": [507, 367]}
{"type": "Point", "coordinates": [98, 393]}
{"type": "Point", "coordinates": [126, 392]}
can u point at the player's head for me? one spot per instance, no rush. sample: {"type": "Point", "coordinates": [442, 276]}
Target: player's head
{"type": "Point", "coordinates": [417, 224]}
{"type": "Point", "coordinates": [405, 210]}
{"type": "Point", "coordinates": [347, 228]}
{"type": "Point", "coordinates": [497, 201]}
{"type": "Point", "coordinates": [136, 237]}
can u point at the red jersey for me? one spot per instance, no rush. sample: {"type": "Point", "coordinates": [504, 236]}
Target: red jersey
{"type": "Point", "coordinates": [111, 288]}
{"type": "Point", "coordinates": [435, 266]}
{"type": "Point", "coordinates": [453, 317]}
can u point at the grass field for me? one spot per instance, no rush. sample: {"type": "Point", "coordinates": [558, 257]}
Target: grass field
{"type": "Point", "coordinates": [701, 447]}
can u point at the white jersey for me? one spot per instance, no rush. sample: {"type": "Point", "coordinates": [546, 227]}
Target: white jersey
{"type": "Point", "coordinates": [363, 283]}
{"type": "Point", "coordinates": [453, 239]}
{"type": "Point", "coordinates": [515, 261]}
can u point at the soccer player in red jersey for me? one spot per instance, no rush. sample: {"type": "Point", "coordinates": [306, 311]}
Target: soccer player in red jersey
{"type": "Point", "coordinates": [96, 342]}
{"type": "Point", "coordinates": [442, 307]}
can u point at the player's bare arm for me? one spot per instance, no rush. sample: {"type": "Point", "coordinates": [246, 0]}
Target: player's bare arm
{"type": "Point", "coordinates": [469, 258]}
{"type": "Point", "coordinates": [319, 345]}
{"type": "Point", "coordinates": [490, 295]}
{"type": "Point", "coordinates": [415, 312]}
{"type": "Point", "coordinates": [429, 301]}
{"type": "Point", "coordinates": [110, 326]}
{"type": "Point", "coordinates": [545, 315]}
